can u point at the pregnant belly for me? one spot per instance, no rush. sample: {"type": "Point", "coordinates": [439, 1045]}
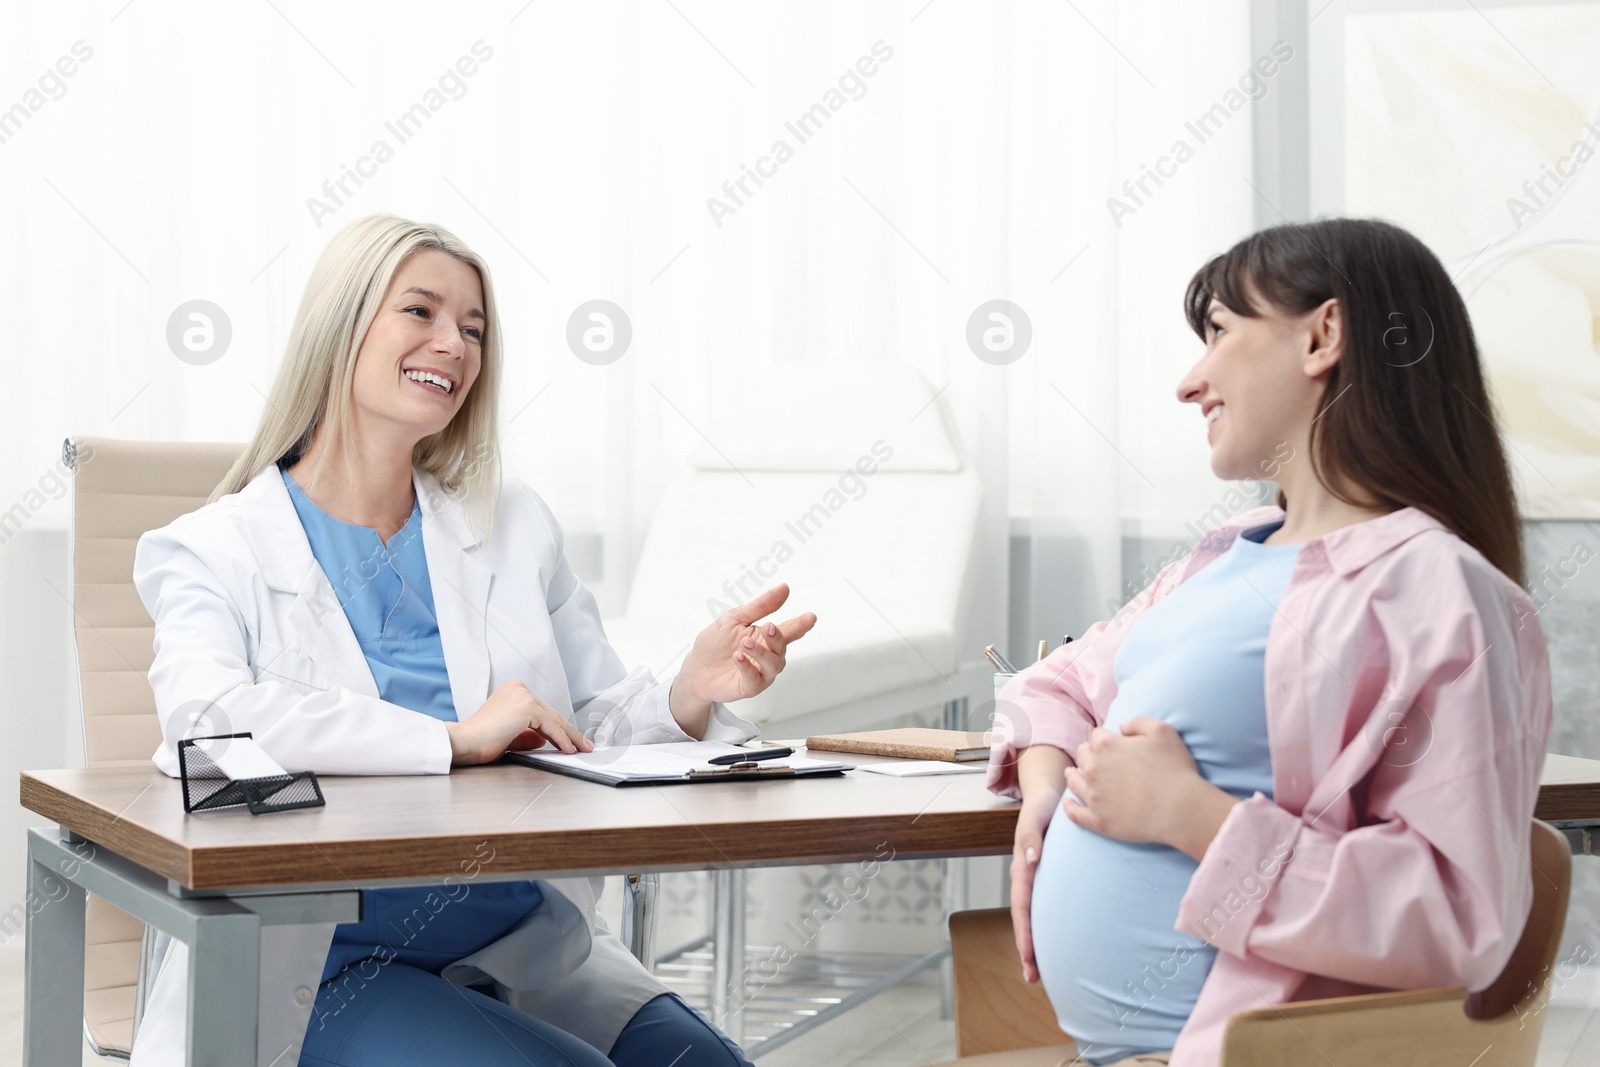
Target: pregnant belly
{"type": "Point", "coordinates": [1121, 979]}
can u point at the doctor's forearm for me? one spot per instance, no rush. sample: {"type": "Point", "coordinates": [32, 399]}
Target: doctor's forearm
{"type": "Point", "coordinates": [691, 715]}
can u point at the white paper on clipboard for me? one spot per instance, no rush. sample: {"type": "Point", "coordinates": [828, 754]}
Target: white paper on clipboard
{"type": "Point", "coordinates": [670, 761]}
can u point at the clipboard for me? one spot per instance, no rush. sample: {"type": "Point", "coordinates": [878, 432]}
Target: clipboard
{"type": "Point", "coordinates": [672, 763]}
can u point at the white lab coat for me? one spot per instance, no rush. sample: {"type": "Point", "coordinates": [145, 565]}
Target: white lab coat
{"type": "Point", "coordinates": [250, 636]}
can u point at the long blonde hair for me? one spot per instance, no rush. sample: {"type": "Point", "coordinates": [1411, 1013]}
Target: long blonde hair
{"type": "Point", "coordinates": [313, 385]}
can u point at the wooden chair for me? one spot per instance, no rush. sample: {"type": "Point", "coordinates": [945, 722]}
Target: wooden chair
{"type": "Point", "coordinates": [1001, 1020]}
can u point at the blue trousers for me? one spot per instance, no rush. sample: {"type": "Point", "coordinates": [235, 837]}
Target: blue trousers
{"type": "Point", "coordinates": [408, 1015]}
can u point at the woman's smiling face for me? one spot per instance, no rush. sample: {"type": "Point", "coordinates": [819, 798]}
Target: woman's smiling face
{"type": "Point", "coordinates": [1255, 386]}
{"type": "Point", "coordinates": [424, 348]}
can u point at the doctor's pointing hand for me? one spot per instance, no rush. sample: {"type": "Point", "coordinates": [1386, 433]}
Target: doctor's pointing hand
{"type": "Point", "coordinates": [735, 657]}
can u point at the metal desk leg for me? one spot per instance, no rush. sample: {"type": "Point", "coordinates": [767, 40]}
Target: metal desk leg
{"type": "Point", "coordinates": [955, 899]}
{"type": "Point", "coordinates": [727, 975]}
{"type": "Point", "coordinates": [52, 1021]}
{"type": "Point", "coordinates": [639, 916]}
{"type": "Point", "coordinates": [224, 988]}
{"type": "Point", "coordinates": [957, 716]}
{"type": "Point", "coordinates": [223, 934]}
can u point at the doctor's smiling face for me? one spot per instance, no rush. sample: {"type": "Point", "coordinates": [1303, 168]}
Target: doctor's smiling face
{"type": "Point", "coordinates": [423, 350]}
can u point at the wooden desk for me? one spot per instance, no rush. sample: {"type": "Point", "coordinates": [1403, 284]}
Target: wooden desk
{"type": "Point", "coordinates": [420, 828]}
{"type": "Point", "coordinates": [213, 879]}
{"type": "Point", "coordinates": [1569, 791]}
{"type": "Point", "coordinates": [416, 828]}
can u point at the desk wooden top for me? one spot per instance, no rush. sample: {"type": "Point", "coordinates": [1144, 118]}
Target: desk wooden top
{"type": "Point", "coordinates": [534, 821]}
{"type": "Point", "coordinates": [1569, 790]}
{"type": "Point", "coordinates": [437, 825]}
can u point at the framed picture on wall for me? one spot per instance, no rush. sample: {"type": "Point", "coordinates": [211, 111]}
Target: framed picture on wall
{"type": "Point", "coordinates": [1477, 127]}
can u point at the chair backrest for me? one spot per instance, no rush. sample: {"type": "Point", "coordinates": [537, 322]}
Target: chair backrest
{"type": "Point", "coordinates": [120, 490]}
{"type": "Point", "coordinates": [1524, 976]}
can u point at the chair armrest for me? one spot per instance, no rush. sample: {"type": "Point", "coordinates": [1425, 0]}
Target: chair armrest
{"type": "Point", "coordinates": [996, 1011]}
{"type": "Point", "coordinates": [1374, 1030]}
{"type": "Point", "coordinates": [1303, 1009]}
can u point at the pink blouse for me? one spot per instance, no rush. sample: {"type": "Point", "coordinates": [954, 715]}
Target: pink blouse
{"type": "Point", "coordinates": [1408, 709]}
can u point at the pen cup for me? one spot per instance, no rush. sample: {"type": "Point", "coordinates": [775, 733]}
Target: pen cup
{"type": "Point", "coordinates": [1000, 681]}
{"type": "Point", "coordinates": [995, 709]}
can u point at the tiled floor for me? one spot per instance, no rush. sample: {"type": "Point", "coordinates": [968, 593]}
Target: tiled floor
{"type": "Point", "coordinates": [906, 1030]}
{"type": "Point", "coordinates": [900, 1026]}
{"type": "Point", "coordinates": [811, 985]}
{"type": "Point", "coordinates": [1571, 1038]}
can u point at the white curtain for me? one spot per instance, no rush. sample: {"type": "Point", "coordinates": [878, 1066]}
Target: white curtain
{"type": "Point", "coordinates": [186, 158]}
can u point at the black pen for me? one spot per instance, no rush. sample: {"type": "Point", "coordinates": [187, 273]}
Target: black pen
{"type": "Point", "coordinates": [750, 756]}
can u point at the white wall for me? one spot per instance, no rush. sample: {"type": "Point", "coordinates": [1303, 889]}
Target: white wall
{"type": "Point", "coordinates": [39, 719]}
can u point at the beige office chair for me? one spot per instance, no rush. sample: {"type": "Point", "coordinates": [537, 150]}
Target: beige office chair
{"type": "Point", "coordinates": [120, 490]}
{"type": "Point", "coordinates": [1003, 1022]}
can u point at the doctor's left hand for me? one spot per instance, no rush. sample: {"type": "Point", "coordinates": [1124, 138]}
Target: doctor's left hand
{"type": "Point", "coordinates": [512, 719]}
{"type": "Point", "coordinates": [739, 655]}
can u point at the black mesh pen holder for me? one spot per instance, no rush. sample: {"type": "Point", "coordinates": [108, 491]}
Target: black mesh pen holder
{"type": "Point", "coordinates": [207, 788]}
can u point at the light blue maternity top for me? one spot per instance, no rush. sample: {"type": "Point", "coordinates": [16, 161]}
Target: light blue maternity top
{"type": "Point", "coordinates": [387, 597]}
{"type": "Point", "coordinates": [1121, 979]}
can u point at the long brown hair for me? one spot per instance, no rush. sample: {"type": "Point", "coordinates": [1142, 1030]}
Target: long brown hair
{"type": "Point", "coordinates": [1405, 415]}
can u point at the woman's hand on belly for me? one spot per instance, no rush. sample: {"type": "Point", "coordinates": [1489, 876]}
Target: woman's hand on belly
{"type": "Point", "coordinates": [1032, 822]}
{"type": "Point", "coordinates": [512, 719]}
{"type": "Point", "coordinates": [1142, 785]}
{"type": "Point", "coordinates": [1039, 770]}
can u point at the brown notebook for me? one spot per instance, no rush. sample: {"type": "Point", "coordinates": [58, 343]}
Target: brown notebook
{"type": "Point", "coordinates": [952, 746]}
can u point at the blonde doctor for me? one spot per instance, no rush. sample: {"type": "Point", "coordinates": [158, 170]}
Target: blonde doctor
{"type": "Point", "coordinates": [365, 597]}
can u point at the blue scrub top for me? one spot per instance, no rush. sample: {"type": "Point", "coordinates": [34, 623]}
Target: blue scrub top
{"type": "Point", "coordinates": [386, 595]}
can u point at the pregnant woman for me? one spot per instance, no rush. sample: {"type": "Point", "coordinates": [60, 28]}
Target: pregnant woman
{"type": "Point", "coordinates": [1303, 761]}
{"type": "Point", "coordinates": [364, 597]}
